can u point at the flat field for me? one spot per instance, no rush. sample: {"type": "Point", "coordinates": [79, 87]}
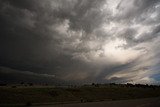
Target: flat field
{"type": "Point", "coordinates": [55, 95]}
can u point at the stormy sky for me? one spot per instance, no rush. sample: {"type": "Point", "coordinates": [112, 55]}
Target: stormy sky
{"type": "Point", "coordinates": [80, 41]}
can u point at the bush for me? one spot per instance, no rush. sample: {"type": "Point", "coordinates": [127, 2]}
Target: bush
{"type": "Point", "coordinates": [28, 104]}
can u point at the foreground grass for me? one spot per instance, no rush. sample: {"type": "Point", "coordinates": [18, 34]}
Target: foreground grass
{"type": "Point", "coordinates": [22, 95]}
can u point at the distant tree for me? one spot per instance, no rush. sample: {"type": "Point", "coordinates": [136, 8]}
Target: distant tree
{"type": "Point", "coordinates": [3, 84]}
{"type": "Point", "coordinates": [22, 83]}
{"type": "Point", "coordinates": [97, 85]}
{"type": "Point", "coordinates": [30, 84]}
{"type": "Point", "coordinates": [130, 85]}
{"type": "Point", "coordinates": [46, 84]}
{"type": "Point", "coordinates": [93, 84]}
{"type": "Point", "coordinates": [112, 84]}
{"type": "Point", "coordinates": [82, 100]}
{"type": "Point", "coordinates": [28, 104]}
{"type": "Point", "coordinates": [14, 86]}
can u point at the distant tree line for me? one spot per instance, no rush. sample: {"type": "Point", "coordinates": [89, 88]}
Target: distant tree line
{"type": "Point", "coordinates": [127, 85]}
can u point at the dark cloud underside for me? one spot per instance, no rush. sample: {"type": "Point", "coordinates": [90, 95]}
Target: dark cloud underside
{"type": "Point", "coordinates": [80, 40]}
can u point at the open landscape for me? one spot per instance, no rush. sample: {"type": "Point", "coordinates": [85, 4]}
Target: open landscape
{"type": "Point", "coordinates": [40, 95]}
{"type": "Point", "coordinates": [80, 53]}
{"type": "Point", "coordinates": [145, 102]}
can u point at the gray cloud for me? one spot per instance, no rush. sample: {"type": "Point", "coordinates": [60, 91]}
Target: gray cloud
{"type": "Point", "coordinates": [80, 40]}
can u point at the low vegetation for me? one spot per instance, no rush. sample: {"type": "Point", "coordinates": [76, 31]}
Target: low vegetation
{"type": "Point", "coordinates": [86, 93]}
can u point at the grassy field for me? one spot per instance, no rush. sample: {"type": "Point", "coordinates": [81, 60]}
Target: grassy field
{"type": "Point", "coordinates": [10, 95]}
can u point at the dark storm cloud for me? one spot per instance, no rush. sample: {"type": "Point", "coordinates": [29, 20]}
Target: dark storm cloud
{"type": "Point", "coordinates": [75, 39]}
{"type": "Point", "coordinates": [8, 75]}
{"type": "Point", "coordinates": [26, 41]}
{"type": "Point", "coordinates": [138, 8]}
{"type": "Point", "coordinates": [139, 13]}
{"type": "Point", "coordinates": [23, 45]}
